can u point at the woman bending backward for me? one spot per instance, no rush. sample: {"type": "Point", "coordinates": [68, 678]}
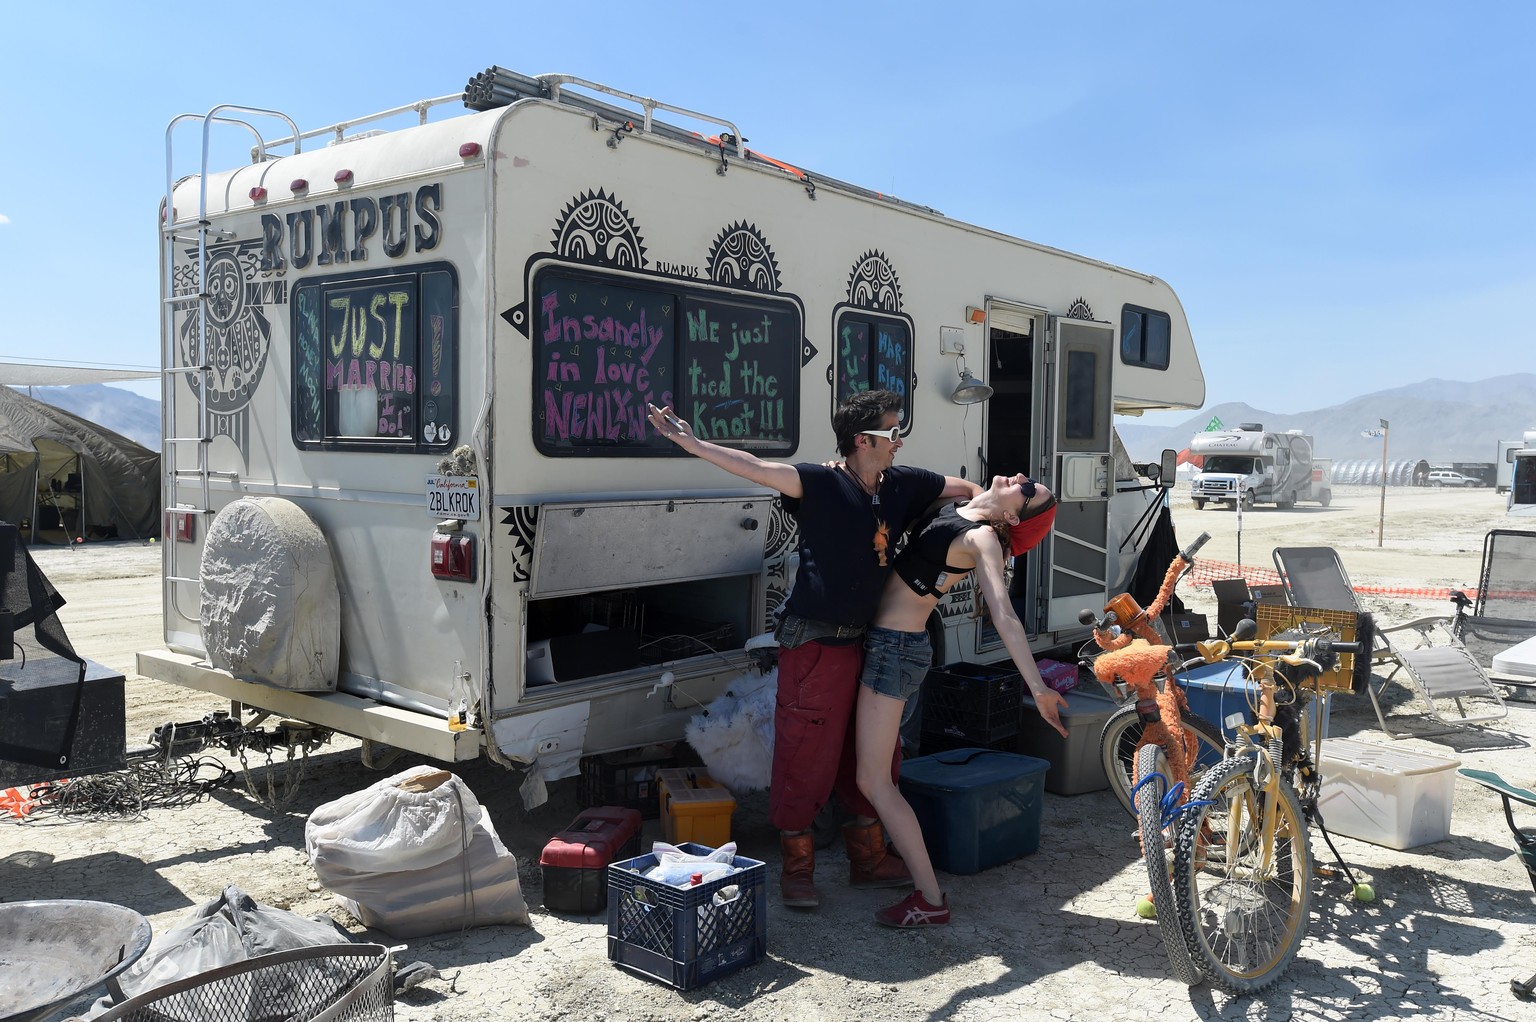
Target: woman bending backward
{"type": "Point", "coordinates": [1009, 517]}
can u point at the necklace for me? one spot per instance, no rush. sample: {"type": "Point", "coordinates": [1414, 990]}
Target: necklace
{"type": "Point", "coordinates": [882, 531]}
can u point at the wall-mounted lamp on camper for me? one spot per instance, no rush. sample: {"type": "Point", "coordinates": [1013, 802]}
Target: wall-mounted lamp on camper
{"type": "Point", "coordinates": [969, 390]}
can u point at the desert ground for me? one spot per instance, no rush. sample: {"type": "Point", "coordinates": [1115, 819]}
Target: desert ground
{"type": "Point", "coordinates": [1053, 935]}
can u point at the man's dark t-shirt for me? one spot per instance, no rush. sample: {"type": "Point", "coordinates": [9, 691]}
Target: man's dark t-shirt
{"type": "Point", "coordinates": [843, 534]}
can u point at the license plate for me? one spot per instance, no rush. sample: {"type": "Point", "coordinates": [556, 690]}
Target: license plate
{"type": "Point", "coordinates": [453, 497]}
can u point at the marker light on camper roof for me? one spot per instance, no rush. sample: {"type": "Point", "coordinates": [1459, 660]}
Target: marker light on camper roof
{"type": "Point", "coordinates": [469, 150]}
{"type": "Point", "coordinates": [258, 194]}
{"type": "Point", "coordinates": [299, 185]}
{"type": "Point", "coordinates": [343, 176]}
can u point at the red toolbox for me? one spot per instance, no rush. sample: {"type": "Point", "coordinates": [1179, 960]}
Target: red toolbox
{"type": "Point", "coordinates": [575, 861]}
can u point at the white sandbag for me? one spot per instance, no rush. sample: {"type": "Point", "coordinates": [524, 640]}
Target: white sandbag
{"type": "Point", "coordinates": [413, 820]}
{"type": "Point", "coordinates": [414, 854]}
{"type": "Point", "coordinates": [271, 611]}
{"type": "Point", "coordinates": [479, 888]}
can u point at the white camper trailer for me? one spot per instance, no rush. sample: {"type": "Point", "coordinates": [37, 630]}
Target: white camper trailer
{"type": "Point", "coordinates": [434, 345]}
{"type": "Point", "coordinates": [1259, 467]}
{"type": "Point", "coordinates": [1504, 464]}
{"type": "Point", "coordinates": [1522, 476]}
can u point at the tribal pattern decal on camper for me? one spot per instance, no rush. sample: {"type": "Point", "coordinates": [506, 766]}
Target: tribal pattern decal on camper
{"type": "Point", "coordinates": [740, 257]}
{"type": "Point", "coordinates": [524, 522]}
{"type": "Point", "coordinates": [239, 335]}
{"type": "Point", "coordinates": [1080, 310]}
{"type": "Point", "coordinates": [778, 545]}
{"type": "Point", "coordinates": [597, 229]}
{"type": "Point", "coordinates": [873, 284]}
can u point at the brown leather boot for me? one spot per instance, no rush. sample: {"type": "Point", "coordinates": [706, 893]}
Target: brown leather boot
{"type": "Point", "coordinates": [870, 863]}
{"type": "Point", "coordinates": [797, 880]}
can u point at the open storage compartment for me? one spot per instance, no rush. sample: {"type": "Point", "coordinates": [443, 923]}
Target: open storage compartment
{"type": "Point", "coordinates": [679, 579]}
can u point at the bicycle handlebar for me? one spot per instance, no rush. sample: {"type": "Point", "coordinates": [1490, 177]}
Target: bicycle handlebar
{"type": "Point", "coordinates": [1188, 553]}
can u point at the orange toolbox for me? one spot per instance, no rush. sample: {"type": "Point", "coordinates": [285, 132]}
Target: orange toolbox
{"type": "Point", "coordinates": [694, 807]}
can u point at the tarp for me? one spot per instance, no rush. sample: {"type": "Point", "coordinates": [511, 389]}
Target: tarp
{"type": "Point", "coordinates": [61, 474]}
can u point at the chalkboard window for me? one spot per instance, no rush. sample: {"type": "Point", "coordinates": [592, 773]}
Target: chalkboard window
{"type": "Point", "coordinates": [605, 347]}
{"type": "Point", "coordinates": [872, 352]}
{"type": "Point", "coordinates": [376, 360]}
{"type": "Point", "coordinates": [1144, 337]}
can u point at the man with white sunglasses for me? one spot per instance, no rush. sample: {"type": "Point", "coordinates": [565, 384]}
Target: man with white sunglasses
{"type": "Point", "coordinates": [850, 514]}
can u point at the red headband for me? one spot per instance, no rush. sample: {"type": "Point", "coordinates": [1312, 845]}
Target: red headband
{"type": "Point", "coordinates": [1027, 535]}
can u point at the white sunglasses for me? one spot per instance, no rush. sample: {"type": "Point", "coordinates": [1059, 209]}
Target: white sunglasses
{"type": "Point", "coordinates": [893, 434]}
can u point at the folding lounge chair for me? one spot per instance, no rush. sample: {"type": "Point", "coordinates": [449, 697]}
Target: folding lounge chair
{"type": "Point", "coordinates": [1504, 615]}
{"type": "Point", "coordinates": [1525, 842]}
{"type": "Point", "coordinates": [1445, 678]}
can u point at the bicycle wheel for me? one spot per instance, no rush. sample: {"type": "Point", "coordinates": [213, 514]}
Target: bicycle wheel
{"type": "Point", "coordinates": [1122, 734]}
{"type": "Point", "coordinates": [1150, 761]}
{"type": "Point", "coordinates": [1242, 902]}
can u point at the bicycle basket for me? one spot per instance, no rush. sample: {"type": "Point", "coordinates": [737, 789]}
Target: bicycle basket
{"type": "Point", "coordinates": [1279, 621]}
{"type": "Point", "coordinates": [329, 983]}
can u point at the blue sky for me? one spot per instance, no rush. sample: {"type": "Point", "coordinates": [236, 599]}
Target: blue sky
{"type": "Point", "coordinates": [1343, 194]}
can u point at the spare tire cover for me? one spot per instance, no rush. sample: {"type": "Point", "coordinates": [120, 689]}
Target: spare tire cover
{"type": "Point", "coordinates": [271, 611]}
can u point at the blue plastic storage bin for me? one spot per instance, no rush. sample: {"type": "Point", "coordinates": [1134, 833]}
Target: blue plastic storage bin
{"type": "Point", "coordinates": [977, 807]}
{"type": "Point", "coordinates": [1218, 691]}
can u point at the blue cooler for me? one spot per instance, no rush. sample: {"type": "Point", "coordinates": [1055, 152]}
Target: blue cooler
{"type": "Point", "coordinates": [1221, 690]}
{"type": "Point", "coordinates": [977, 807]}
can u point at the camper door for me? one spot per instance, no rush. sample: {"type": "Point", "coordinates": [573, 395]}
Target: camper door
{"type": "Point", "coordinates": [1080, 436]}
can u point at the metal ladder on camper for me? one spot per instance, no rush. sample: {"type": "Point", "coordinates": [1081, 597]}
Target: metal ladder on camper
{"type": "Point", "coordinates": [179, 468]}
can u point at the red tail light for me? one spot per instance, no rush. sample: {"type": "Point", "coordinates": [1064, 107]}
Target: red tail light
{"type": "Point", "coordinates": [453, 556]}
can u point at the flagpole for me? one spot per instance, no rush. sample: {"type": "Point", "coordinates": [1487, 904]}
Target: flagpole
{"type": "Point", "coordinates": [1381, 523]}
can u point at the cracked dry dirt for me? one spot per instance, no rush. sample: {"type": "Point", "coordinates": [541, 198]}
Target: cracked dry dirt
{"type": "Point", "coordinates": [1053, 935]}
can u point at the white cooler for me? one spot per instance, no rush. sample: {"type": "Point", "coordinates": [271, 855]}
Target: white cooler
{"type": "Point", "coordinates": [1518, 661]}
{"type": "Point", "coordinates": [1386, 795]}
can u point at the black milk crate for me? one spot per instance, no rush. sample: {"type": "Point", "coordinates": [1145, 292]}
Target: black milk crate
{"type": "Point", "coordinates": [679, 935]}
{"type": "Point", "coordinates": [973, 703]}
{"type": "Point", "coordinates": [626, 779]}
{"type": "Point", "coordinates": [933, 744]}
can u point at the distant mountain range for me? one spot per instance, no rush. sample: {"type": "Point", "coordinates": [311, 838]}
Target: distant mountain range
{"type": "Point", "coordinates": [122, 411]}
{"type": "Point", "coordinates": [1439, 421]}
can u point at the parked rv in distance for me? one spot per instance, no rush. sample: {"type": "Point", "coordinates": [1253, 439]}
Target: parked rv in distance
{"type": "Point", "coordinates": [1256, 467]}
{"type": "Point", "coordinates": [1504, 463]}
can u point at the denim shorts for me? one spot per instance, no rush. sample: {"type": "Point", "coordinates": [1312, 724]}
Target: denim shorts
{"type": "Point", "coordinates": [895, 663]}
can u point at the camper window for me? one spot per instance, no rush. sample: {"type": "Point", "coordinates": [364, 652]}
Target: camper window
{"type": "Point", "coordinates": [606, 346]}
{"type": "Point", "coordinates": [375, 359]}
{"type": "Point", "coordinates": [1144, 337]}
{"type": "Point", "coordinates": [874, 352]}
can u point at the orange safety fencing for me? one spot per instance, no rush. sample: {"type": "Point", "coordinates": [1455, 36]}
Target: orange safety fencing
{"type": "Point", "coordinates": [1205, 572]}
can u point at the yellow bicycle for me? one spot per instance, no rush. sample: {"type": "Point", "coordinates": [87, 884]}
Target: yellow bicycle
{"type": "Point", "coordinates": [1242, 862]}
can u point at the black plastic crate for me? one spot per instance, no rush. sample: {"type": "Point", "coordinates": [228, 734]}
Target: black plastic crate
{"type": "Point", "coordinates": [680, 935]}
{"type": "Point", "coordinates": [625, 779]}
{"type": "Point", "coordinates": [973, 703]}
{"type": "Point", "coordinates": [933, 744]}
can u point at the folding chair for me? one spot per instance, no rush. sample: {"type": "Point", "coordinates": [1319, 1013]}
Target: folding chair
{"type": "Point", "coordinates": [1454, 689]}
{"type": "Point", "coordinates": [1504, 615]}
{"type": "Point", "coordinates": [1525, 842]}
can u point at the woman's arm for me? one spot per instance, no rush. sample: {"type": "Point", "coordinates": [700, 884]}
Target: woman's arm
{"type": "Point", "coordinates": [773, 474]}
{"type": "Point", "coordinates": [981, 543]}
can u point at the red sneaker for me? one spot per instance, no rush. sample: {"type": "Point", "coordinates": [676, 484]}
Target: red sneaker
{"type": "Point", "coordinates": [914, 910]}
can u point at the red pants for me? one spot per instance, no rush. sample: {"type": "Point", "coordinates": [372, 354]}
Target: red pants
{"type": "Point", "coordinates": [813, 735]}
